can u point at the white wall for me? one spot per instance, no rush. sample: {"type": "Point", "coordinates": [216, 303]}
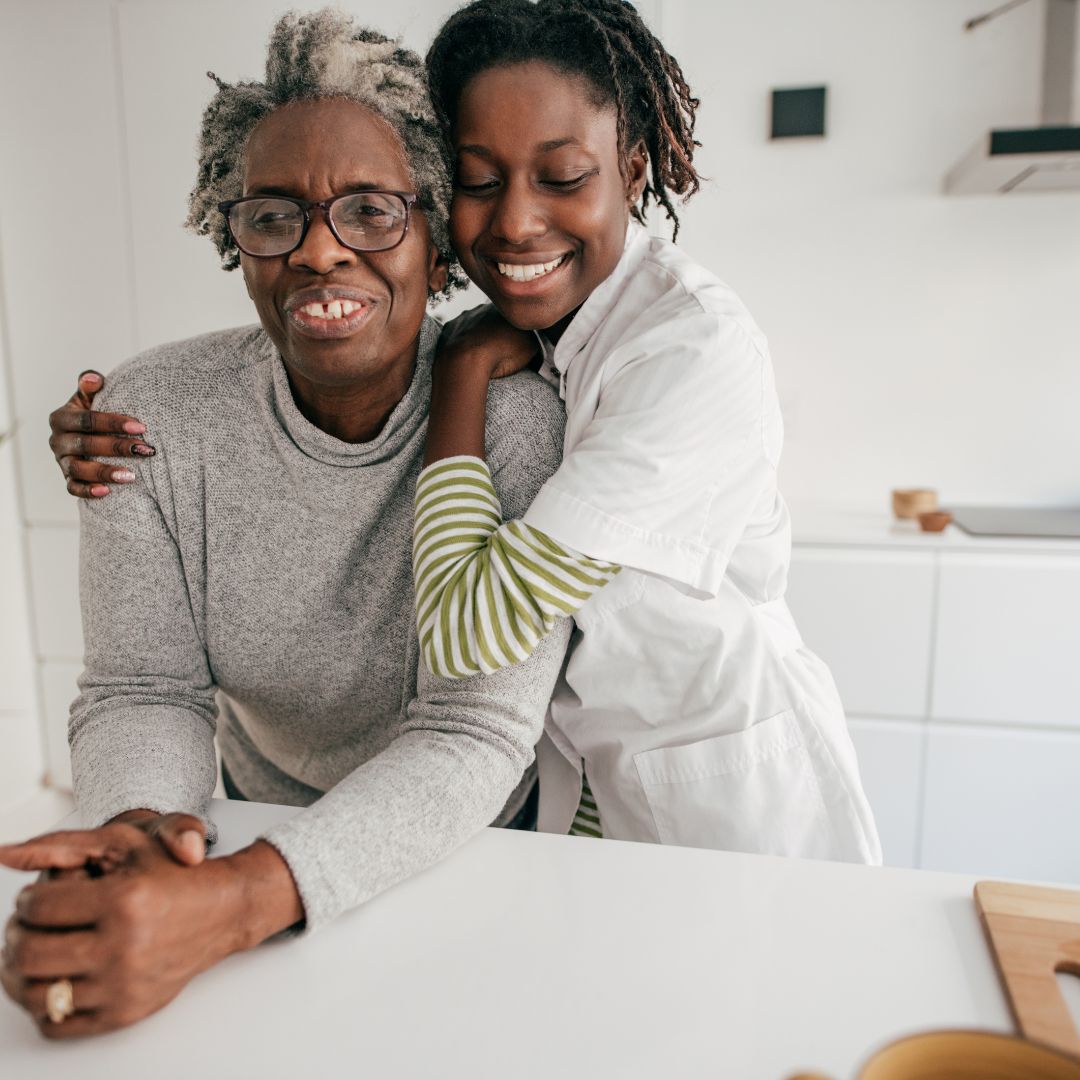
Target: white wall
{"type": "Point", "coordinates": [22, 762]}
{"type": "Point", "coordinates": [918, 339]}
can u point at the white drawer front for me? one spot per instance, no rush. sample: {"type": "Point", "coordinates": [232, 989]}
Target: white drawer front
{"type": "Point", "coordinates": [868, 615]}
{"type": "Point", "coordinates": [1002, 803]}
{"type": "Point", "coordinates": [890, 763]}
{"type": "Point", "coordinates": [1008, 640]}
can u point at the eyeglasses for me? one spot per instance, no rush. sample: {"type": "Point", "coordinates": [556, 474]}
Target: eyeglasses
{"type": "Point", "coordinates": [270, 225]}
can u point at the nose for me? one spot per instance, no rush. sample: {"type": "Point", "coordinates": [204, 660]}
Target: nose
{"type": "Point", "coordinates": [518, 215]}
{"type": "Point", "coordinates": [321, 252]}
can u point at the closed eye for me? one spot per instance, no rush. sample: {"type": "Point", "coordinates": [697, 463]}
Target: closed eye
{"type": "Point", "coordinates": [573, 182]}
{"type": "Point", "coordinates": [476, 187]}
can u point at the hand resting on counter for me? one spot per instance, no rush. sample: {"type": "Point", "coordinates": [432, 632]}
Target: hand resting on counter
{"type": "Point", "coordinates": [130, 913]}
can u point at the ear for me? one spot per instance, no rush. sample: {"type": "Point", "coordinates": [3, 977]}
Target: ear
{"type": "Point", "coordinates": [637, 172]}
{"type": "Point", "coordinates": [438, 270]}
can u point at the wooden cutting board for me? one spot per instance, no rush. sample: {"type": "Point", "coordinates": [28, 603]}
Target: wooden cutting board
{"type": "Point", "coordinates": [1034, 932]}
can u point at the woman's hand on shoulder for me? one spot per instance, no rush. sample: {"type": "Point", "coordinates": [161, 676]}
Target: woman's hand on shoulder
{"type": "Point", "coordinates": [486, 341]}
{"type": "Point", "coordinates": [80, 434]}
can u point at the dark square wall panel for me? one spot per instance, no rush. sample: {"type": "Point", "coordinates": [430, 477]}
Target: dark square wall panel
{"type": "Point", "coordinates": [798, 112]}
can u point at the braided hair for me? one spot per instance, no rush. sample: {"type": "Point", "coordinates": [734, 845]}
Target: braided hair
{"type": "Point", "coordinates": [607, 43]}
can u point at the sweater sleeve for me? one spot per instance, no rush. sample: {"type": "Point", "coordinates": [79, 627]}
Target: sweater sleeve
{"type": "Point", "coordinates": [142, 728]}
{"type": "Point", "coordinates": [459, 752]}
{"type": "Point", "coordinates": [487, 591]}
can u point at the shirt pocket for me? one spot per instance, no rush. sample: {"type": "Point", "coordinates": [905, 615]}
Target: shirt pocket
{"type": "Point", "coordinates": [759, 790]}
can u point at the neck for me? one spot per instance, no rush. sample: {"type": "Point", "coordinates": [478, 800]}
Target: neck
{"type": "Point", "coordinates": [555, 331]}
{"type": "Point", "coordinates": [356, 412]}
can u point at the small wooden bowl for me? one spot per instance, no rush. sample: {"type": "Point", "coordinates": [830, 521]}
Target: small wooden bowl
{"type": "Point", "coordinates": [965, 1055]}
{"type": "Point", "coordinates": [911, 502]}
{"type": "Point", "coordinates": [934, 520]}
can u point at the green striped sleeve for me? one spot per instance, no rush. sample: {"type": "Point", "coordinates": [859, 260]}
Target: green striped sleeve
{"type": "Point", "coordinates": [487, 591]}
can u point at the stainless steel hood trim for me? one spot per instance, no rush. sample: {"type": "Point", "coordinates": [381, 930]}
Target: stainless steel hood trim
{"type": "Point", "coordinates": [1046, 157]}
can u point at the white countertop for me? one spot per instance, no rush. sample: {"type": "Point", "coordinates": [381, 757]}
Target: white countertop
{"type": "Point", "coordinates": [537, 956]}
{"type": "Point", "coordinates": [812, 525]}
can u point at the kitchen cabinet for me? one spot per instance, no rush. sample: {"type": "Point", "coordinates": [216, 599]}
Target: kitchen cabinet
{"type": "Point", "coordinates": [980, 774]}
{"type": "Point", "coordinates": [1008, 640]}
{"type": "Point", "coordinates": [1002, 802]}
{"type": "Point", "coordinates": [884, 669]}
{"type": "Point", "coordinates": [890, 763]}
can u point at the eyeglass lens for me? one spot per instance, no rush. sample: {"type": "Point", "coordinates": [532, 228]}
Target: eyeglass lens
{"type": "Point", "coordinates": [366, 221]}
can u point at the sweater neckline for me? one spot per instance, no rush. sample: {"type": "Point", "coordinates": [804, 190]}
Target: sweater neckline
{"type": "Point", "coordinates": [408, 415]}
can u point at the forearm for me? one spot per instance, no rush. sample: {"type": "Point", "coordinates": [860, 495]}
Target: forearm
{"type": "Point", "coordinates": [460, 754]}
{"type": "Point", "coordinates": [267, 900]}
{"type": "Point", "coordinates": [487, 591]}
{"type": "Point", "coordinates": [476, 347]}
{"type": "Point", "coordinates": [142, 728]}
{"type": "Point", "coordinates": [458, 409]}
{"type": "Point", "coordinates": [147, 757]}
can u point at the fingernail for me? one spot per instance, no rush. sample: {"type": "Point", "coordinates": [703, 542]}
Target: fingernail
{"type": "Point", "coordinates": [90, 376]}
{"type": "Point", "coordinates": [143, 450]}
{"type": "Point", "coordinates": [123, 476]}
{"type": "Point", "coordinates": [193, 842]}
{"type": "Point", "coordinates": [98, 490]}
{"type": "Point", "coordinates": [133, 427]}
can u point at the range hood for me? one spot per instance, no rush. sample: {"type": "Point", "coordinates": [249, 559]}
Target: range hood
{"type": "Point", "coordinates": [1043, 158]}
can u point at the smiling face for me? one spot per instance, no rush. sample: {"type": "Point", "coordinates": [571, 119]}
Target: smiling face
{"type": "Point", "coordinates": [540, 204]}
{"type": "Point", "coordinates": [340, 318]}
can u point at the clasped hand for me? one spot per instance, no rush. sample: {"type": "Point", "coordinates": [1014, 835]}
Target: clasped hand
{"type": "Point", "coordinates": [129, 913]}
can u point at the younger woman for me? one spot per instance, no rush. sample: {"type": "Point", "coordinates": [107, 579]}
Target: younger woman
{"type": "Point", "coordinates": [688, 699]}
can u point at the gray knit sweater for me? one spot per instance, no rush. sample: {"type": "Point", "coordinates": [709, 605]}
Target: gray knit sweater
{"type": "Point", "coordinates": [262, 568]}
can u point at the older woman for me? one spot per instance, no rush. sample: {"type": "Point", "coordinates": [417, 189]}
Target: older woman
{"type": "Point", "coordinates": [281, 596]}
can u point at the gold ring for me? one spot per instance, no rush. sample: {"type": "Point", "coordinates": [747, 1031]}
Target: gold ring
{"type": "Point", "coordinates": [60, 1000]}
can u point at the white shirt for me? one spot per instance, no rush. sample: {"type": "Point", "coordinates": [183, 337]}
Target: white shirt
{"type": "Point", "coordinates": [688, 695]}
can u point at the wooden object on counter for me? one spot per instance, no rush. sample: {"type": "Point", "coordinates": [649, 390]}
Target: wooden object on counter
{"type": "Point", "coordinates": [964, 1055]}
{"type": "Point", "coordinates": [911, 502]}
{"type": "Point", "coordinates": [1034, 933]}
{"type": "Point", "coordinates": [934, 520]}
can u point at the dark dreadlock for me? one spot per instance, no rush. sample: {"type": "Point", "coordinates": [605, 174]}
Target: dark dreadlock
{"type": "Point", "coordinates": [604, 41]}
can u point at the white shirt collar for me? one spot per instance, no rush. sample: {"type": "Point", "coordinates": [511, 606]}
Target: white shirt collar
{"type": "Point", "coordinates": [600, 302]}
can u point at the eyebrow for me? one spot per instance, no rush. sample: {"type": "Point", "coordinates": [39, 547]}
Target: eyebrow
{"type": "Point", "coordinates": [543, 148]}
{"type": "Point", "coordinates": [277, 189]}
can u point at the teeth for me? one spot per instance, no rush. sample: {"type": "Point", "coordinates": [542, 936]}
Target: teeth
{"type": "Point", "coordinates": [527, 273]}
{"type": "Point", "coordinates": [335, 309]}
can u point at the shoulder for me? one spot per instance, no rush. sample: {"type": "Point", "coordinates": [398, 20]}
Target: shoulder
{"type": "Point", "coordinates": [185, 372]}
{"type": "Point", "coordinates": [674, 305]}
{"type": "Point", "coordinates": [525, 410]}
{"type": "Point", "coordinates": [525, 424]}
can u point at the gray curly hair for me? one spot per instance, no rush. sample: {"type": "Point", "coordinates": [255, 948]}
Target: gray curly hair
{"type": "Point", "coordinates": [324, 55]}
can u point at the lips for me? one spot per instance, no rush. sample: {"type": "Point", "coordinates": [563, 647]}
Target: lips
{"type": "Point", "coordinates": [328, 312]}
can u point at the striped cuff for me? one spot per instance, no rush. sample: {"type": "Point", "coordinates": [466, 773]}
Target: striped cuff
{"type": "Point", "coordinates": [486, 591]}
